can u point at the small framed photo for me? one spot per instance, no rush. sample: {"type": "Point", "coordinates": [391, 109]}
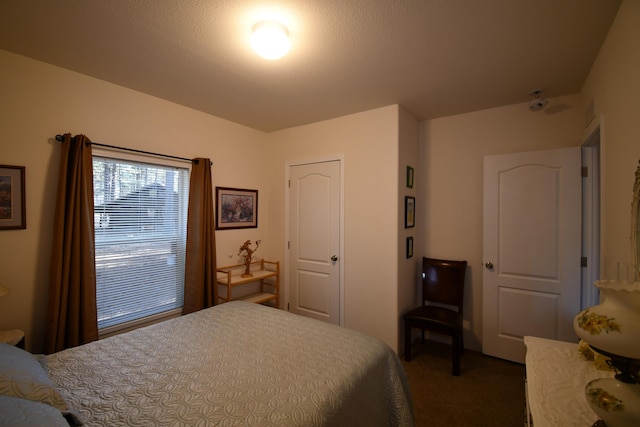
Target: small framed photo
{"type": "Point", "coordinates": [236, 208]}
{"type": "Point", "coordinates": [410, 177]}
{"type": "Point", "coordinates": [409, 247]}
{"type": "Point", "coordinates": [13, 214]}
{"type": "Point", "coordinates": [409, 211]}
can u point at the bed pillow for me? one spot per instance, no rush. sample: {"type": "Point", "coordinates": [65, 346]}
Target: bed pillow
{"type": "Point", "coordinates": [27, 413]}
{"type": "Point", "coordinates": [22, 376]}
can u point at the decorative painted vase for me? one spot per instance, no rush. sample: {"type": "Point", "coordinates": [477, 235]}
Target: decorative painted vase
{"type": "Point", "coordinates": [615, 402]}
{"type": "Point", "coordinates": [614, 324]}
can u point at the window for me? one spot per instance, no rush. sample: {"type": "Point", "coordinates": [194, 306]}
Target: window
{"type": "Point", "coordinates": [140, 216]}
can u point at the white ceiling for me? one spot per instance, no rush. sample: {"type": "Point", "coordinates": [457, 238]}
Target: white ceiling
{"type": "Point", "coordinates": [434, 57]}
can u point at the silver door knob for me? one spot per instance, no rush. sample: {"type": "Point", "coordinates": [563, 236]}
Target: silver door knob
{"type": "Point", "coordinates": [334, 258]}
{"type": "Point", "coordinates": [489, 265]}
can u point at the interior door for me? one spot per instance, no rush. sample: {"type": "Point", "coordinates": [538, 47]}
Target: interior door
{"type": "Point", "coordinates": [531, 249]}
{"type": "Point", "coordinates": [314, 240]}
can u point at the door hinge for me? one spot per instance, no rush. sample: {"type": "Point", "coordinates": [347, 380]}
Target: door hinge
{"type": "Point", "coordinates": [287, 306]}
{"type": "Point", "coordinates": [289, 183]}
{"type": "Point", "coordinates": [585, 171]}
{"type": "Point", "coordinates": [583, 261]}
{"type": "Point", "coordinates": [289, 244]}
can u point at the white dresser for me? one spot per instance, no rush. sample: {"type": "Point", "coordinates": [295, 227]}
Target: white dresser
{"type": "Point", "coordinates": [556, 377]}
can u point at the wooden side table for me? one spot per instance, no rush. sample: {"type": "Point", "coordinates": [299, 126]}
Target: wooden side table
{"type": "Point", "coordinates": [13, 337]}
{"type": "Point", "coordinates": [266, 273]}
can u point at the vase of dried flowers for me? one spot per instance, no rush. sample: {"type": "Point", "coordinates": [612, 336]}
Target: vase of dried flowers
{"type": "Point", "coordinates": [247, 252]}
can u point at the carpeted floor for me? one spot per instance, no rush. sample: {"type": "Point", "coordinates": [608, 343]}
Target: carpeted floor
{"type": "Point", "coordinates": [488, 393]}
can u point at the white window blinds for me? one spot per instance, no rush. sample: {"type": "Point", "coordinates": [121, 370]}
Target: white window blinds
{"type": "Point", "coordinates": [140, 214]}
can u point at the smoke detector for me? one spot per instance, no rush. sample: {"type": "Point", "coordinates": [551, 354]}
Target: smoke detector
{"type": "Point", "coordinates": [537, 103]}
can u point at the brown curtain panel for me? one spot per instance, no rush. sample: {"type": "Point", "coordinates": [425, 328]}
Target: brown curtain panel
{"type": "Point", "coordinates": [200, 290]}
{"type": "Point", "coordinates": [72, 314]}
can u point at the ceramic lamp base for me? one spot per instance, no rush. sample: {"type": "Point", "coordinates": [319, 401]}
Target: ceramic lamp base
{"type": "Point", "coordinates": [615, 402]}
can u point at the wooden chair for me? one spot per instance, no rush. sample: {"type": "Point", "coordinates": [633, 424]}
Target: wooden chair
{"type": "Point", "coordinates": [441, 310]}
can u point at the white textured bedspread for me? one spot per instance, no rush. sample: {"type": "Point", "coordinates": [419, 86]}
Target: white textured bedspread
{"type": "Point", "coordinates": [235, 364]}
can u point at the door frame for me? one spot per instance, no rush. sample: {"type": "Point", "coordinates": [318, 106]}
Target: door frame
{"type": "Point", "coordinates": [340, 160]}
{"type": "Point", "coordinates": [591, 159]}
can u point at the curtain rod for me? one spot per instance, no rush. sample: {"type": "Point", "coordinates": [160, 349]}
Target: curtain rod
{"type": "Point", "coordinates": [61, 138]}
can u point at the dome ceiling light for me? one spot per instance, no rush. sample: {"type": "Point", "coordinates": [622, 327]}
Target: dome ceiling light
{"type": "Point", "coordinates": [270, 39]}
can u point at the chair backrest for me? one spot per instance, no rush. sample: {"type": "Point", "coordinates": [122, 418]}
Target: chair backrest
{"type": "Point", "coordinates": [443, 282]}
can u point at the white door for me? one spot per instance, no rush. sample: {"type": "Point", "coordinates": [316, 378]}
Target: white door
{"type": "Point", "coordinates": [314, 240]}
{"type": "Point", "coordinates": [531, 249]}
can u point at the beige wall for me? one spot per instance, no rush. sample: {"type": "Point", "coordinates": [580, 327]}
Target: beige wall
{"type": "Point", "coordinates": [408, 268]}
{"type": "Point", "coordinates": [368, 143]}
{"type": "Point", "coordinates": [39, 101]}
{"type": "Point", "coordinates": [451, 151]}
{"type": "Point", "coordinates": [450, 194]}
{"type": "Point", "coordinates": [614, 83]}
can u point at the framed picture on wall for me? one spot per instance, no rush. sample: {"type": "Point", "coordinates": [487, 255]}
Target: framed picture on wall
{"type": "Point", "coordinates": [13, 214]}
{"type": "Point", "coordinates": [410, 177]}
{"type": "Point", "coordinates": [236, 208]}
{"type": "Point", "coordinates": [409, 211]}
{"type": "Point", "coordinates": [409, 247]}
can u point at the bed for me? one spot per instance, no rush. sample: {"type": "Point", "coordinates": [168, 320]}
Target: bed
{"type": "Point", "coordinates": [234, 364]}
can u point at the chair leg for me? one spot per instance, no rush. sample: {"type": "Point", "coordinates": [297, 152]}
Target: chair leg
{"type": "Point", "coordinates": [455, 356]}
{"type": "Point", "coordinates": [407, 343]}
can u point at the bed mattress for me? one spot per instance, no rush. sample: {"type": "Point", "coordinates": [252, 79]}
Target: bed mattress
{"type": "Point", "coordinates": [235, 364]}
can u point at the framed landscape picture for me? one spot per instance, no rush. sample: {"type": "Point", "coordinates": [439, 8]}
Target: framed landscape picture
{"type": "Point", "coordinates": [236, 208]}
{"type": "Point", "coordinates": [12, 198]}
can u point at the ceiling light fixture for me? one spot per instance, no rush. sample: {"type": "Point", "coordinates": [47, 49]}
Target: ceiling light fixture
{"type": "Point", "coordinates": [270, 39]}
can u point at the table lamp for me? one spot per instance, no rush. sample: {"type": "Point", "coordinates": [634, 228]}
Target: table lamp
{"type": "Point", "coordinates": [612, 328]}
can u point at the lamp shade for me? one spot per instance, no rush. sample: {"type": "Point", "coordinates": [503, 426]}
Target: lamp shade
{"type": "Point", "coordinates": [3, 290]}
{"type": "Point", "coordinates": [270, 39]}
